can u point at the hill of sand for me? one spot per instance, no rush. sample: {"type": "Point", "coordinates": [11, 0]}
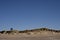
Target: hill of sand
{"type": "Point", "coordinates": [36, 34]}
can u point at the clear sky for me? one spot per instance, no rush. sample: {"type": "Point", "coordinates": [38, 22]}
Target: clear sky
{"type": "Point", "coordinates": [29, 14]}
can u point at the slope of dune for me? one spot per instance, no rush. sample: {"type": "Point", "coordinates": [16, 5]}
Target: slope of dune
{"type": "Point", "coordinates": [35, 34]}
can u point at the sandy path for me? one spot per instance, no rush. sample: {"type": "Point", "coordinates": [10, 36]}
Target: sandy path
{"type": "Point", "coordinates": [31, 38]}
{"type": "Point", "coordinates": [54, 37]}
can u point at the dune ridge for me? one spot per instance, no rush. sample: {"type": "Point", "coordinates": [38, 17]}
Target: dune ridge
{"type": "Point", "coordinates": [34, 34]}
{"type": "Point", "coordinates": [33, 31]}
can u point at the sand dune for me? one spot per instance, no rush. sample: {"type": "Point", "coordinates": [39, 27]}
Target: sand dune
{"type": "Point", "coordinates": [25, 36]}
{"type": "Point", "coordinates": [31, 35]}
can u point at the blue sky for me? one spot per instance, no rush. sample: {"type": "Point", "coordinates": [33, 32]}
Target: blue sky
{"type": "Point", "coordinates": [29, 14]}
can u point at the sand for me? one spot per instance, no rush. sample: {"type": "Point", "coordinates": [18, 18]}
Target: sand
{"type": "Point", "coordinates": [24, 36]}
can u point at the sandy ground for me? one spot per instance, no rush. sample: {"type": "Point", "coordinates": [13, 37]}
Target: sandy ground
{"type": "Point", "coordinates": [30, 37]}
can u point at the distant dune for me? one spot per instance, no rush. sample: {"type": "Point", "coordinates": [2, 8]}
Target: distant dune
{"type": "Point", "coordinates": [34, 34]}
{"type": "Point", "coordinates": [40, 30]}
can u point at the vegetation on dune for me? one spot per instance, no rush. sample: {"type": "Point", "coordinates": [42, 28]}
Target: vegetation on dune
{"type": "Point", "coordinates": [26, 31]}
